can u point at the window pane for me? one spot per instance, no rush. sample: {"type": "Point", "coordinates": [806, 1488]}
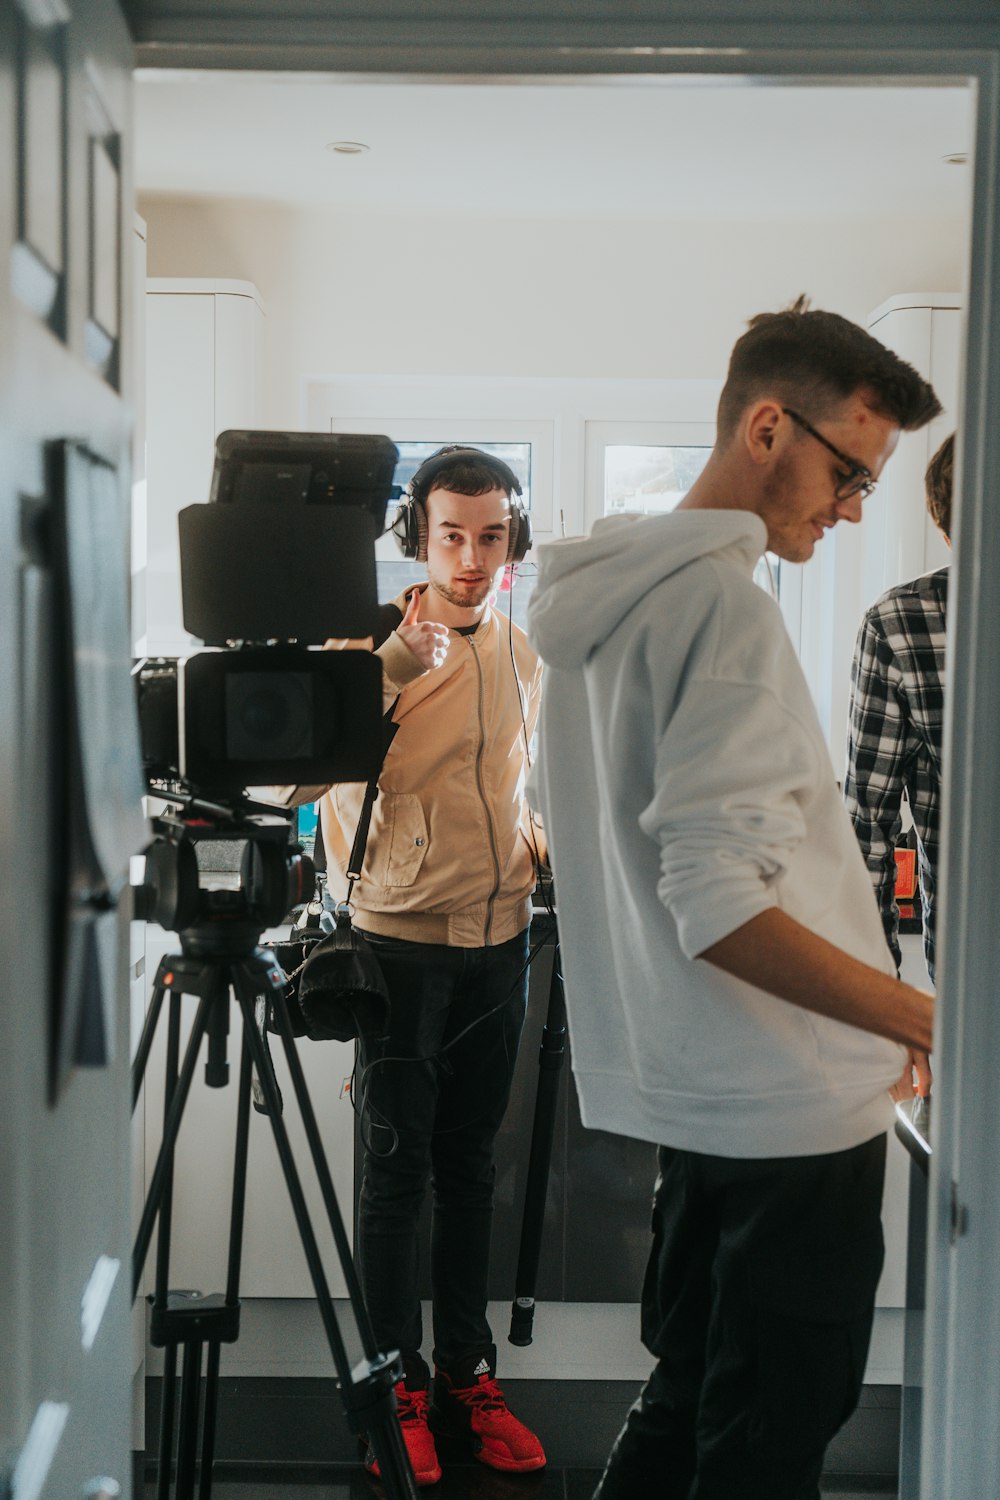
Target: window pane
{"type": "Point", "coordinates": [652, 478]}
{"type": "Point", "coordinates": [517, 457]}
{"type": "Point", "coordinates": [767, 574]}
{"type": "Point", "coordinates": [648, 478]}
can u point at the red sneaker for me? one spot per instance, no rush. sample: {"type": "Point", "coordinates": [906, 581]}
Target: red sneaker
{"type": "Point", "coordinates": [411, 1408]}
{"type": "Point", "coordinates": [468, 1403]}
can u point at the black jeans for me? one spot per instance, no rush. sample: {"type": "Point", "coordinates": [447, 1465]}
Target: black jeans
{"type": "Point", "coordinates": [757, 1304]}
{"type": "Point", "coordinates": [431, 1112]}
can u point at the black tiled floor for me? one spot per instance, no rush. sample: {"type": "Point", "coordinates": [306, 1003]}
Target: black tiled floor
{"type": "Point", "coordinates": [287, 1440]}
{"type": "Point", "coordinates": [580, 1483]}
{"type": "Point", "coordinates": [472, 1483]}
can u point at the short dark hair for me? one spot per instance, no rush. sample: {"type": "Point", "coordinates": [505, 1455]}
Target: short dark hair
{"type": "Point", "coordinates": [814, 361]}
{"type": "Point", "coordinates": [464, 471]}
{"type": "Point", "coordinates": [938, 482]}
{"type": "Point", "coordinates": [467, 477]}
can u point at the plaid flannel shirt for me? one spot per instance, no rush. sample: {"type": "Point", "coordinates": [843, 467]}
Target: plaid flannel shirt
{"type": "Point", "coordinates": [894, 740]}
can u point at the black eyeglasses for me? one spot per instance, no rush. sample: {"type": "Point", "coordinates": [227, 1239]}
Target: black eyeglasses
{"type": "Point", "coordinates": [857, 481]}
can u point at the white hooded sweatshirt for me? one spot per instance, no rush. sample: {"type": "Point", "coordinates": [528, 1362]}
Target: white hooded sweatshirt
{"type": "Point", "coordinates": [685, 786]}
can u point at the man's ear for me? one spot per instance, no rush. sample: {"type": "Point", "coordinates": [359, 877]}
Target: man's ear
{"type": "Point", "coordinates": [760, 427]}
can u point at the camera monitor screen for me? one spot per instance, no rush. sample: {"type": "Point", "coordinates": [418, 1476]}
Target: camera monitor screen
{"type": "Point", "coordinates": [287, 550]}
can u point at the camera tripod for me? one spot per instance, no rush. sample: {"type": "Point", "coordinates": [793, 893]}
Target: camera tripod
{"type": "Point", "coordinates": [221, 954]}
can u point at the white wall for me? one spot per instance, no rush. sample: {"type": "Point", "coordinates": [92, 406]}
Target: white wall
{"type": "Point", "coordinates": [390, 295]}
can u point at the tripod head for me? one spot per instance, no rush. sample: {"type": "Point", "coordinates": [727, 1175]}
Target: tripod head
{"type": "Point", "coordinates": [221, 925]}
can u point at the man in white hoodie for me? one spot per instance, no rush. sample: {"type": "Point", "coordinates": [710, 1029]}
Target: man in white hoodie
{"type": "Point", "coordinates": [729, 991]}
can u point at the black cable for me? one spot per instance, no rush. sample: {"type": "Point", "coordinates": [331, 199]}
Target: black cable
{"type": "Point", "coordinates": [540, 882]}
{"type": "Point", "coordinates": [362, 1105]}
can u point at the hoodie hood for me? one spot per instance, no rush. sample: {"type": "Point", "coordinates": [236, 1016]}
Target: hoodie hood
{"type": "Point", "coordinates": [587, 585]}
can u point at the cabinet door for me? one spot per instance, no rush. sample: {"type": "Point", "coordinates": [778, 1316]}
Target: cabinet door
{"type": "Point", "coordinates": [900, 539]}
{"type": "Point", "coordinates": [237, 362]}
{"type": "Point", "coordinates": [893, 531]}
{"type": "Point", "coordinates": [180, 443]}
{"type": "Point", "coordinates": [946, 357]}
{"type": "Point", "coordinates": [203, 355]}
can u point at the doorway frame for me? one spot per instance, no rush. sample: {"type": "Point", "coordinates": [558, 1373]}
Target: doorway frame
{"type": "Point", "coordinates": [961, 1437]}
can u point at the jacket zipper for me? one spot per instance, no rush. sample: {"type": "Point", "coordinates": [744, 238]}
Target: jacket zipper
{"type": "Point", "coordinates": [482, 794]}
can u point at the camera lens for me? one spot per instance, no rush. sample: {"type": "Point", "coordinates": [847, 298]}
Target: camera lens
{"type": "Point", "coordinates": [269, 714]}
{"type": "Point", "coordinates": [264, 716]}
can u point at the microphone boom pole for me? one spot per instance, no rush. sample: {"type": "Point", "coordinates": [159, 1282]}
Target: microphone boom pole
{"type": "Point", "coordinates": [551, 1055]}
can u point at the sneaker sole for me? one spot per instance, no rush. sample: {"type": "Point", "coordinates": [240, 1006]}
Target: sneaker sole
{"type": "Point", "coordinates": [462, 1437]}
{"type": "Point", "coordinates": [422, 1480]}
{"type": "Point", "coordinates": [510, 1466]}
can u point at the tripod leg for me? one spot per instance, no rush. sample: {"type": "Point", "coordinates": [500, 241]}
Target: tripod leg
{"type": "Point", "coordinates": [208, 1430]}
{"type": "Point", "coordinates": [160, 1203]}
{"type": "Point", "coordinates": [321, 1165]}
{"type": "Point", "coordinates": [253, 1042]}
{"type": "Point", "coordinates": [376, 1408]}
{"type": "Point", "coordinates": [236, 1215]}
{"type": "Point", "coordinates": [166, 1446]}
{"type": "Point", "coordinates": [187, 1444]}
{"type": "Point", "coordinates": [171, 1127]}
{"type": "Point", "coordinates": [146, 1039]}
{"type": "Point", "coordinates": [167, 1194]}
{"type": "Point", "coordinates": [550, 1061]}
{"type": "Point", "coordinates": [236, 1220]}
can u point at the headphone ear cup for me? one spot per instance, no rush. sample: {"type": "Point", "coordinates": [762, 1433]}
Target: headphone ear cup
{"type": "Point", "coordinates": [520, 534]}
{"type": "Point", "coordinates": [410, 529]}
{"type": "Point", "coordinates": [420, 527]}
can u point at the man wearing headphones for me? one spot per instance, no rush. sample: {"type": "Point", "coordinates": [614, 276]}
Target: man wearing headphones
{"type": "Point", "coordinates": [444, 899]}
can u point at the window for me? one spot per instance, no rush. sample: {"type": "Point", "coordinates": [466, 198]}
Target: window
{"type": "Point", "coordinates": [517, 457]}
{"type": "Point", "coordinates": [648, 478]}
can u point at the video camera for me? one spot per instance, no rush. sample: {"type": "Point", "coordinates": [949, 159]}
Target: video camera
{"type": "Point", "coordinates": [279, 560]}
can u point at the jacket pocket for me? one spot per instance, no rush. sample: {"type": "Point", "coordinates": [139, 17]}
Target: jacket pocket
{"type": "Point", "coordinates": [400, 841]}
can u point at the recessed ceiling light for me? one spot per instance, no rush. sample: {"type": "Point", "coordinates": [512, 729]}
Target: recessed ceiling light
{"type": "Point", "coordinates": [956, 158]}
{"type": "Point", "coordinates": [347, 148]}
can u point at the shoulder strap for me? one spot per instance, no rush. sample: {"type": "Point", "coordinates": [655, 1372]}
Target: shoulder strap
{"type": "Point", "coordinates": [357, 859]}
{"type": "Point", "coordinates": [319, 848]}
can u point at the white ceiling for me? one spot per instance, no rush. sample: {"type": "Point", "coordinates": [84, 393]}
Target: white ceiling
{"type": "Point", "coordinates": [634, 149]}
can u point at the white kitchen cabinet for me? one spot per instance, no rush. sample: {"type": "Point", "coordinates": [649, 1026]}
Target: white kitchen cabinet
{"type": "Point", "coordinates": [204, 355]}
{"type": "Point", "coordinates": [900, 539]}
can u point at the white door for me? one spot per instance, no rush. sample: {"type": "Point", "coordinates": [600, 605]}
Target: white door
{"type": "Point", "coordinates": [68, 751]}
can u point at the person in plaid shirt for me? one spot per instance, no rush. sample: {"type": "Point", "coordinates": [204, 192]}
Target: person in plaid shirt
{"type": "Point", "coordinates": [896, 722]}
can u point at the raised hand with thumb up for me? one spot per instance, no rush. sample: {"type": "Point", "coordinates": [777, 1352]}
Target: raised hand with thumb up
{"type": "Point", "coordinates": [427, 639]}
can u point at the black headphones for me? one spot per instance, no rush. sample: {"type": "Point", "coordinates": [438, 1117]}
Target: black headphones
{"type": "Point", "coordinates": [410, 525]}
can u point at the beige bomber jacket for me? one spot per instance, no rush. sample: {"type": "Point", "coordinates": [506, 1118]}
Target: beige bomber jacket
{"type": "Point", "coordinates": [450, 856]}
